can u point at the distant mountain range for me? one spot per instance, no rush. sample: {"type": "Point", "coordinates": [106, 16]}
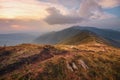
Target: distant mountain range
{"type": "Point", "coordinates": [15, 38]}
{"type": "Point", "coordinates": [77, 35]}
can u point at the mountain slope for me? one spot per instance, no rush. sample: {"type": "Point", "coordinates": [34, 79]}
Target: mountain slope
{"type": "Point", "coordinates": [55, 37]}
{"type": "Point", "coordinates": [107, 35]}
{"type": "Point", "coordinates": [59, 62]}
{"type": "Point", "coordinates": [83, 37]}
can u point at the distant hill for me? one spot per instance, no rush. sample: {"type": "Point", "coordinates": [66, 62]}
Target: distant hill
{"type": "Point", "coordinates": [15, 38]}
{"type": "Point", "coordinates": [55, 37]}
{"type": "Point", "coordinates": [78, 34]}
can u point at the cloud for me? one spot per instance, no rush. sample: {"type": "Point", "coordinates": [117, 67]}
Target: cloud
{"type": "Point", "coordinates": [76, 3]}
{"type": "Point", "coordinates": [29, 26]}
{"type": "Point", "coordinates": [56, 17]}
{"type": "Point", "coordinates": [47, 15]}
{"type": "Point", "coordinates": [15, 25]}
{"type": "Point", "coordinates": [22, 9]}
{"type": "Point", "coordinates": [19, 27]}
{"type": "Point", "coordinates": [72, 4]}
{"type": "Point", "coordinates": [113, 23]}
{"type": "Point", "coordinates": [92, 10]}
{"type": "Point", "coordinates": [89, 10]}
{"type": "Point", "coordinates": [109, 3]}
{"type": "Point", "coordinates": [38, 10]}
{"type": "Point", "coordinates": [26, 9]}
{"type": "Point", "coordinates": [88, 7]}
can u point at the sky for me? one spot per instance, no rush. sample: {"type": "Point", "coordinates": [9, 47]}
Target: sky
{"type": "Point", "coordinates": [40, 16]}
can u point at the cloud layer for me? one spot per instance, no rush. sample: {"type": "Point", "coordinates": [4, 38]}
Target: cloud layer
{"type": "Point", "coordinates": [56, 17]}
{"type": "Point", "coordinates": [88, 10]}
{"type": "Point", "coordinates": [40, 15]}
{"type": "Point", "coordinates": [109, 3]}
{"type": "Point", "coordinates": [25, 9]}
{"type": "Point", "coordinates": [37, 9]}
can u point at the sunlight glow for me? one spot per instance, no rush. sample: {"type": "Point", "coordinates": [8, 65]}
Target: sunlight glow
{"type": "Point", "coordinates": [19, 10]}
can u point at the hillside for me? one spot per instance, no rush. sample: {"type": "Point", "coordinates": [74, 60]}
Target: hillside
{"type": "Point", "coordinates": [108, 36]}
{"type": "Point", "coordinates": [55, 37]}
{"type": "Point", "coordinates": [83, 37]}
{"type": "Point", "coordinates": [60, 62]}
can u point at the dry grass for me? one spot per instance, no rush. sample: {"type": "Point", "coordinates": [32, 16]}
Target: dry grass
{"type": "Point", "coordinates": [88, 62]}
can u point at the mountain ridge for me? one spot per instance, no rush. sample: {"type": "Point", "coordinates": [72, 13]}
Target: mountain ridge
{"type": "Point", "coordinates": [109, 36]}
{"type": "Point", "coordinates": [84, 36]}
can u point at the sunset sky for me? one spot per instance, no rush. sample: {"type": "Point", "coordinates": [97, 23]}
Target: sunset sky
{"type": "Point", "coordinates": [50, 15]}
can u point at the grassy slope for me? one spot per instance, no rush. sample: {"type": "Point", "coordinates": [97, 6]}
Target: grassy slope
{"type": "Point", "coordinates": [60, 62]}
{"type": "Point", "coordinates": [82, 37]}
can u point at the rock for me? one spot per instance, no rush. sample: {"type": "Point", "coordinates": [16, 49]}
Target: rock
{"type": "Point", "coordinates": [82, 63]}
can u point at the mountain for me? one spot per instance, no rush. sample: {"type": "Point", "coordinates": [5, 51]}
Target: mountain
{"type": "Point", "coordinates": [78, 33]}
{"type": "Point", "coordinates": [55, 37]}
{"type": "Point", "coordinates": [81, 53]}
{"type": "Point", "coordinates": [15, 38]}
{"type": "Point", "coordinates": [59, 62]}
{"type": "Point", "coordinates": [83, 37]}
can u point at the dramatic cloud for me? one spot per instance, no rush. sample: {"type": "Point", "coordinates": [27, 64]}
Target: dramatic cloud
{"type": "Point", "coordinates": [46, 15]}
{"type": "Point", "coordinates": [25, 9]}
{"type": "Point", "coordinates": [56, 17]}
{"type": "Point", "coordinates": [38, 10]}
{"type": "Point", "coordinates": [91, 9]}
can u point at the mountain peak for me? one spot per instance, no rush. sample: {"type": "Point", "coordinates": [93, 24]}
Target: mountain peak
{"type": "Point", "coordinates": [81, 34]}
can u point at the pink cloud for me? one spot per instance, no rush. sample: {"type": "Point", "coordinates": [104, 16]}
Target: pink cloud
{"type": "Point", "coordinates": [109, 3]}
